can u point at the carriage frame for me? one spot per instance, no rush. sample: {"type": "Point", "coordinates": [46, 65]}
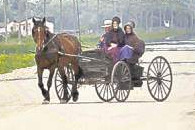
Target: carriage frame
{"type": "Point", "coordinates": [117, 80]}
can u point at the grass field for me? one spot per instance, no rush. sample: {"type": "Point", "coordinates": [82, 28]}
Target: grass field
{"type": "Point", "coordinates": [14, 55]}
{"type": "Point", "coordinates": [9, 62]}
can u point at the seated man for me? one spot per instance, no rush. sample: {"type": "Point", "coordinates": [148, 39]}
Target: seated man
{"type": "Point", "coordinates": [107, 27]}
{"type": "Point", "coordinates": [134, 47]}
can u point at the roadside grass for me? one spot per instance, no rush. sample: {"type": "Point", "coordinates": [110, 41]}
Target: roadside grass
{"type": "Point", "coordinates": [9, 62]}
{"type": "Point", "coordinates": [14, 47]}
{"type": "Point", "coordinates": [160, 34]}
{"type": "Point", "coordinates": [89, 41]}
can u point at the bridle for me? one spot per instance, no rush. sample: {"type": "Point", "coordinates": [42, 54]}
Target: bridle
{"type": "Point", "coordinates": [43, 44]}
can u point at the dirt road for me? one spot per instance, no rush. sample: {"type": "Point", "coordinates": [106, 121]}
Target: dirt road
{"type": "Point", "coordinates": [21, 109]}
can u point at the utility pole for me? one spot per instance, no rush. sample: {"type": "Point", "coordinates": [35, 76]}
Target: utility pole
{"type": "Point", "coordinates": [5, 18]}
{"type": "Point", "coordinates": [98, 15]}
{"type": "Point", "coordinates": [61, 22]}
{"type": "Point", "coordinates": [151, 20]}
{"type": "Point", "coordinates": [78, 19]}
{"type": "Point", "coordinates": [44, 8]}
{"type": "Point", "coordinates": [160, 17]}
{"type": "Point", "coordinates": [26, 4]}
{"type": "Point", "coordinates": [74, 15]}
{"type": "Point", "coordinates": [21, 12]}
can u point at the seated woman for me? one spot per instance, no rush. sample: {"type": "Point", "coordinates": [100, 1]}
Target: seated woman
{"type": "Point", "coordinates": [134, 47]}
{"type": "Point", "coordinates": [114, 39]}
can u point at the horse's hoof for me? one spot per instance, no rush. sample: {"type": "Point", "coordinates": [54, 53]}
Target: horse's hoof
{"type": "Point", "coordinates": [75, 96]}
{"type": "Point", "coordinates": [45, 102]}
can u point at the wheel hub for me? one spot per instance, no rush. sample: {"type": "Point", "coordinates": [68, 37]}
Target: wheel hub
{"type": "Point", "coordinates": [159, 78]}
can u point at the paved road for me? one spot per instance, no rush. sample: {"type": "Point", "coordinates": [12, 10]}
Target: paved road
{"type": "Point", "coordinates": [21, 109]}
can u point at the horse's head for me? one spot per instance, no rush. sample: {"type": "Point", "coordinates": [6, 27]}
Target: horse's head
{"type": "Point", "coordinates": [39, 32]}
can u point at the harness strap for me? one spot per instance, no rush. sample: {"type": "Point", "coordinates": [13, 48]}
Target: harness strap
{"type": "Point", "coordinates": [79, 56]}
{"type": "Point", "coordinates": [45, 45]}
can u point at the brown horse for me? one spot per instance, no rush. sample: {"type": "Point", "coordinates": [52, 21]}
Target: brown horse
{"type": "Point", "coordinates": [48, 46]}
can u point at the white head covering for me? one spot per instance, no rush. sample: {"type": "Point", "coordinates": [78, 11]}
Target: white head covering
{"type": "Point", "coordinates": [107, 23]}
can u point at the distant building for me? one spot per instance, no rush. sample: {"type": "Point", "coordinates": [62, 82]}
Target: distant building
{"type": "Point", "coordinates": [13, 27]}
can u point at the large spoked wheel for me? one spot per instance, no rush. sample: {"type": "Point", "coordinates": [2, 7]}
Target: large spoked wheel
{"type": "Point", "coordinates": [159, 78]}
{"type": "Point", "coordinates": [121, 81]}
{"type": "Point", "coordinates": [104, 91]}
{"type": "Point", "coordinates": [59, 85]}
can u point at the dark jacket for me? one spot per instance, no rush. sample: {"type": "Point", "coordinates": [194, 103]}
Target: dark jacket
{"type": "Point", "coordinates": [116, 37]}
{"type": "Point", "coordinates": [137, 44]}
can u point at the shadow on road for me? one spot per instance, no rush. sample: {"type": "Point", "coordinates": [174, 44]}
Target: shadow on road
{"type": "Point", "coordinates": [114, 102]}
{"type": "Point", "coordinates": [73, 103]}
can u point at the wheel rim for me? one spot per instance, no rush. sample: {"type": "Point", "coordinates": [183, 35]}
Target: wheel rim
{"type": "Point", "coordinates": [59, 86]}
{"type": "Point", "coordinates": [159, 78]}
{"type": "Point", "coordinates": [121, 81]}
{"type": "Point", "coordinates": [104, 91]}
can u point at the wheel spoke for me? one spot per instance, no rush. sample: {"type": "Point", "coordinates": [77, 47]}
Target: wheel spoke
{"type": "Point", "coordinates": [69, 89]}
{"type": "Point", "coordinates": [107, 91]}
{"type": "Point", "coordinates": [155, 67]}
{"type": "Point", "coordinates": [61, 93]}
{"type": "Point", "coordinates": [104, 91]}
{"type": "Point", "coordinates": [124, 93]}
{"type": "Point", "coordinates": [153, 86]}
{"type": "Point", "coordinates": [163, 66]}
{"type": "Point", "coordinates": [119, 94]}
{"type": "Point", "coordinates": [125, 72]}
{"type": "Point", "coordinates": [60, 89]}
{"type": "Point", "coordinates": [58, 74]}
{"type": "Point", "coordinates": [152, 81]}
{"type": "Point", "coordinates": [158, 91]}
{"type": "Point", "coordinates": [58, 80]}
{"type": "Point", "coordinates": [165, 75]}
{"type": "Point", "coordinates": [58, 85]}
{"type": "Point", "coordinates": [161, 91]}
{"type": "Point", "coordinates": [153, 72]}
{"type": "Point", "coordinates": [155, 90]}
{"type": "Point", "coordinates": [164, 71]}
{"type": "Point", "coordinates": [164, 89]}
{"type": "Point", "coordinates": [166, 86]}
{"type": "Point", "coordinates": [157, 64]}
{"type": "Point", "coordinates": [160, 65]}
{"type": "Point", "coordinates": [98, 85]}
{"type": "Point", "coordinates": [166, 80]}
{"type": "Point", "coordinates": [110, 89]}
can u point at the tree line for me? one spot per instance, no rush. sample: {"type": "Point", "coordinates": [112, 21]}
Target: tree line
{"type": "Point", "coordinates": [148, 15]}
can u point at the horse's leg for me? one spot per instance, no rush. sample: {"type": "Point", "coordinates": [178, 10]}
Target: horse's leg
{"type": "Point", "coordinates": [49, 82]}
{"type": "Point", "coordinates": [78, 73]}
{"type": "Point", "coordinates": [40, 83]}
{"type": "Point", "coordinates": [65, 84]}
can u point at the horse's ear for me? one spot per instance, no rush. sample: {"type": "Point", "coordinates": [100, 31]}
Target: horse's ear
{"type": "Point", "coordinates": [43, 21]}
{"type": "Point", "coordinates": [33, 20]}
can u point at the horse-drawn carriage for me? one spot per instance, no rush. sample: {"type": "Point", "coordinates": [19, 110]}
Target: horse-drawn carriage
{"type": "Point", "coordinates": [110, 80]}
{"type": "Point", "coordinates": [117, 80]}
